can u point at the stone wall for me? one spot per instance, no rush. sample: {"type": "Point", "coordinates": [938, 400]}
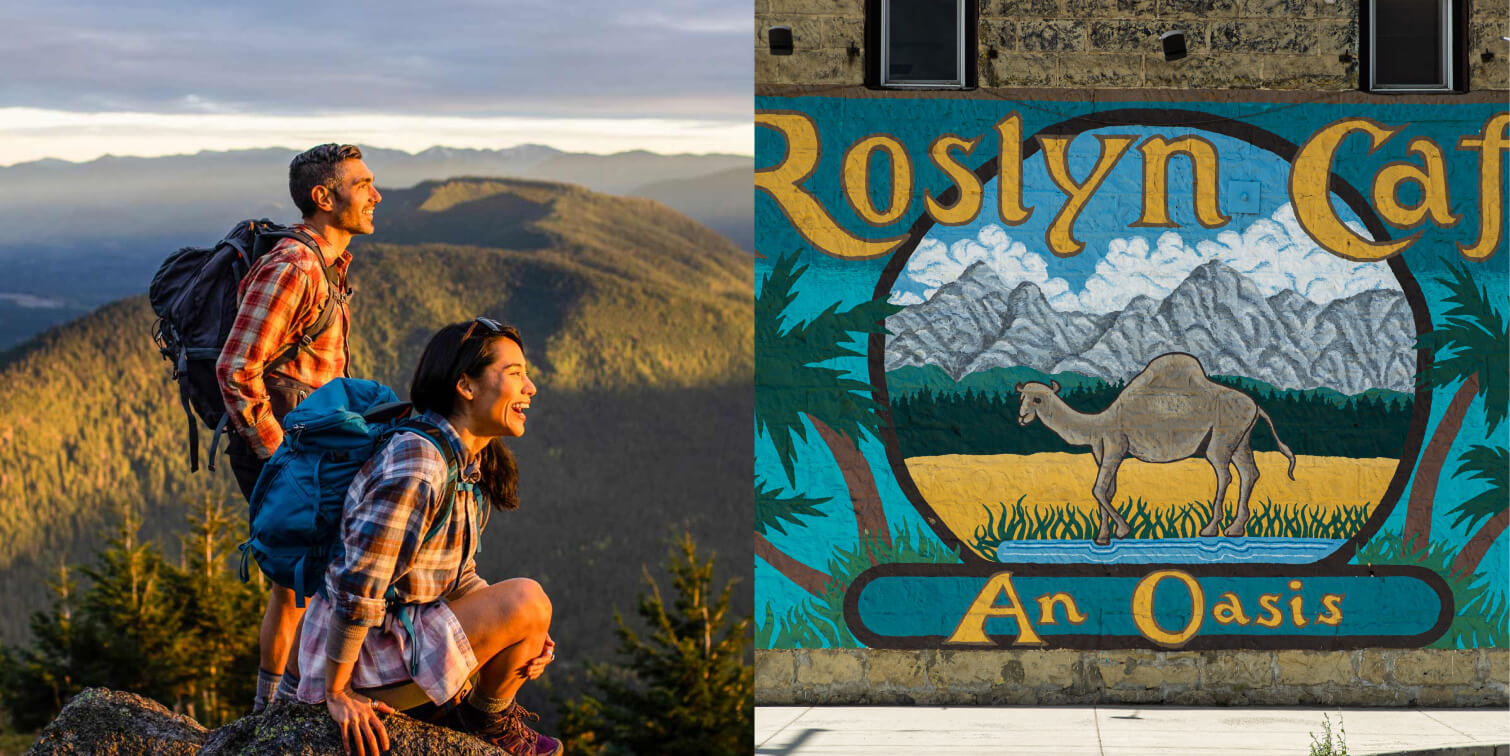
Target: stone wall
{"type": "Point", "coordinates": [1233, 44]}
{"type": "Point", "coordinates": [1366, 677]}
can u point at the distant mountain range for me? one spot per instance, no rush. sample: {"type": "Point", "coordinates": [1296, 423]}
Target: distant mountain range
{"type": "Point", "coordinates": [638, 324]}
{"type": "Point", "coordinates": [975, 324]}
{"type": "Point", "coordinates": [74, 236]}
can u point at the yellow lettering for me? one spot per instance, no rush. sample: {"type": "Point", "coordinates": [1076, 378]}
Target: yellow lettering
{"type": "Point", "coordinates": [1060, 235]}
{"type": "Point", "coordinates": [1333, 604]}
{"type": "Point", "coordinates": [972, 629]}
{"type": "Point", "coordinates": [856, 179]}
{"type": "Point", "coordinates": [783, 183]}
{"type": "Point", "coordinates": [1229, 610]}
{"type": "Point", "coordinates": [1009, 172]}
{"type": "Point", "coordinates": [1433, 182]}
{"type": "Point", "coordinates": [1489, 144]}
{"type": "Point", "coordinates": [1297, 611]}
{"type": "Point", "coordinates": [1310, 176]}
{"type": "Point", "coordinates": [1142, 609]}
{"type": "Point", "coordinates": [967, 206]}
{"type": "Point", "coordinates": [1270, 604]}
{"type": "Point", "coordinates": [1156, 153]}
{"type": "Point", "coordinates": [1048, 601]}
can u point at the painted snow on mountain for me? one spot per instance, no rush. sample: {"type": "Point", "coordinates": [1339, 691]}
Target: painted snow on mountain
{"type": "Point", "coordinates": [976, 323]}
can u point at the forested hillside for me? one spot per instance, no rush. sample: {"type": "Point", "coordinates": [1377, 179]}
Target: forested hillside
{"type": "Point", "coordinates": [638, 322]}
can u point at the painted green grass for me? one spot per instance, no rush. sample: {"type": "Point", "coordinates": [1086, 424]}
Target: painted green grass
{"type": "Point", "coordinates": [819, 622]}
{"type": "Point", "coordinates": [1039, 522]}
{"type": "Point", "coordinates": [1482, 619]}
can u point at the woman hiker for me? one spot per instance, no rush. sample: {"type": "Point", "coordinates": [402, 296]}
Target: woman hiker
{"type": "Point", "coordinates": [408, 621]}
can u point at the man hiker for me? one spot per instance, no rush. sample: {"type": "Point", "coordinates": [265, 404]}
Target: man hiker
{"type": "Point", "coordinates": [281, 301]}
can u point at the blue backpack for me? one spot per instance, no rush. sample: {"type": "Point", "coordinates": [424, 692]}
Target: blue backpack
{"type": "Point", "coordinates": [297, 502]}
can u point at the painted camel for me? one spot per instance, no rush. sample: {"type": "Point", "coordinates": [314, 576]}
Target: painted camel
{"type": "Point", "coordinates": [1169, 412]}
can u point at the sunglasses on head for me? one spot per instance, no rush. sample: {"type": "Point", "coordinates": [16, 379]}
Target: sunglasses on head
{"type": "Point", "coordinates": [492, 325]}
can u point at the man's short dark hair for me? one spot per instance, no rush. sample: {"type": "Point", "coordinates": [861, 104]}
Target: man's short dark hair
{"type": "Point", "coordinates": [314, 167]}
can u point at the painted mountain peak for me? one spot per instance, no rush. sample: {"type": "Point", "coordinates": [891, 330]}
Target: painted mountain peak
{"type": "Point", "coordinates": [1352, 344]}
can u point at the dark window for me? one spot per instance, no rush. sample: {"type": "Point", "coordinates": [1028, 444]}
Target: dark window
{"type": "Point", "coordinates": [921, 43]}
{"type": "Point", "coordinates": [1413, 45]}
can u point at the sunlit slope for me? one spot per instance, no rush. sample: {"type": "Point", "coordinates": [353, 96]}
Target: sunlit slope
{"type": "Point", "coordinates": [638, 321]}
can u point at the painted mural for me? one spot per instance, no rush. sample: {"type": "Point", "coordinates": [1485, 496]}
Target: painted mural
{"type": "Point", "coordinates": [1120, 375]}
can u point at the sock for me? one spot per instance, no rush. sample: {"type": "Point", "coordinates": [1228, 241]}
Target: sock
{"type": "Point", "coordinates": [288, 690]}
{"type": "Point", "coordinates": [267, 682]}
{"type": "Point", "coordinates": [485, 704]}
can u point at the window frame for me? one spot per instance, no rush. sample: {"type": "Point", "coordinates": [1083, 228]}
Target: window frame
{"type": "Point", "coordinates": [877, 23]}
{"type": "Point", "coordinates": [1454, 61]}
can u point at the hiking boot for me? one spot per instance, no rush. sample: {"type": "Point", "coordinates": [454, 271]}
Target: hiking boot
{"type": "Point", "coordinates": [506, 729]}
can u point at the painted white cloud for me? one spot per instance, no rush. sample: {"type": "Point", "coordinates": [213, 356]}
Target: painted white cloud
{"type": "Point", "coordinates": [1274, 253]}
{"type": "Point", "coordinates": [933, 264]}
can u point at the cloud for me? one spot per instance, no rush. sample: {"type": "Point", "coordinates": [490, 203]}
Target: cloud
{"type": "Point", "coordinates": [687, 59]}
{"type": "Point", "coordinates": [933, 264]}
{"type": "Point", "coordinates": [1274, 253]}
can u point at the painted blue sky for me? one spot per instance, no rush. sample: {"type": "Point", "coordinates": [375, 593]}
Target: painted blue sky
{"type": "Point", "coordinates": [1263, 239]}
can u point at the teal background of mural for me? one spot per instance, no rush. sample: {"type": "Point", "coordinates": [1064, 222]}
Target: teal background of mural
{"type": "Point", "coordinates": [823, 536]}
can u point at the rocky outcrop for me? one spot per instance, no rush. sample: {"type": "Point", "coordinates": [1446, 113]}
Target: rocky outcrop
{"type": "Point", "coordinates": [112, 723]}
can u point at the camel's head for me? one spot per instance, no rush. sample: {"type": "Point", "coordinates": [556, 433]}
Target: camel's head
{"type": "Point", "coordinates": [1034, 394]}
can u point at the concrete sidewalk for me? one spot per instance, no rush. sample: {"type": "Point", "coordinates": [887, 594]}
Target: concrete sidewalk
{"type": "Point", "coordinates": [1124, 731]}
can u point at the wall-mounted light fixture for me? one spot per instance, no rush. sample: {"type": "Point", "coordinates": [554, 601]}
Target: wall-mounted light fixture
{"type": "Point", "coordinates": [780, 39]}
{"type": "Point", "coordinates": [1174, 45]}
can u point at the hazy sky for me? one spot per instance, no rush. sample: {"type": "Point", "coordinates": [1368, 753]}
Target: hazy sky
{"type": "Point", "coordinates": [164, 77]}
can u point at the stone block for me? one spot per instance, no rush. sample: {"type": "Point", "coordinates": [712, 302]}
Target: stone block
{"type": "Point", "coordinates": [851, 8]}
{"type": "Point", "coordinates": [1489, 11]}
{"type": "Point", "coordinates": [1427, 667]}
{"type": "Point", "coordinates": [1322, 73]}
{"type": "Point", "coordinates": [967, 670]}
{"type": "Point", "coordinates": [1052, 669]}
{"type": "Point", "coordinates": [1209, 71]}
{"type": "Point", "coordinates": [998, 8]}
{"type": "Point", "coordinates": [841, 33]}
{"type": "Point", "coordinates": [998, 33]}
{"type": "Point", "coordinates": [814, 67]}
{"type": "Point", "coordinates": [1347, 9]}
{"type": "Point", "coordinates": [1021, 70]}
{"type": "Point", "coordinates": [774, 672]}
{"type": "Point", "coordinates": [830, 668]}
{"type": "Point", "coordinates": [1146, 670]}
{"type": "Point", "coordinates": [1491, 75]}
{"type": "Point", "coordinates": [1277, 10]}
{"type": "Point", "coordinates": [1263, 37]}
{"type": "Point", "coordinates": [1102, 69]}
{"type": "Point", "coordinates": [895, 669]}
{"type": "Point", "coordinates": [1236, 670]}
{"type": "Point", "coordinates": [1197, 8]}
{"type": "Point", "coordinates": [1495, 665]}
{"type": "Point", "coordinates": [1101, 9]}
{"type": "Point", "coordinates": [1143, 36]}
{"type": "Point", "coordinates": [1336, 37]}
{"type": "Point", "coordinates": [1315, 668]}
{"type": "Point", "coordinates": [1435, 695]}
{"type": "Point", "coordinates": [1038, 8]}
{"type": "Point", "coordinates": [1051, 35]}
{"type": "Point", "coordinates": [1373, 666]}
{"type": "Point", "coordinates": [762, 7]}
{"type": "Point", "coordinates": [807, 33]}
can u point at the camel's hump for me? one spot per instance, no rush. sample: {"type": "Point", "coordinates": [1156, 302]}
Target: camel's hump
{"type": "Point", "coordinates": [1174, 370]}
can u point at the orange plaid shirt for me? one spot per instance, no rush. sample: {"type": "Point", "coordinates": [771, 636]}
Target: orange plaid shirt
{"type": "Point", "coordinates": [278, 299]}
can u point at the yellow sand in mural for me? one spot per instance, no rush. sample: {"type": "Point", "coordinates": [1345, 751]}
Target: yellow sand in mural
{"type": "Point", "coordinates": [958, 485]}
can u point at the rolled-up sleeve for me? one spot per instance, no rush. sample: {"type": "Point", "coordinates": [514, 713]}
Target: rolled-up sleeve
{"type": "Point", "coordinates": [384, 524]}
{"type": "Point", "coordinates": [273, 295]}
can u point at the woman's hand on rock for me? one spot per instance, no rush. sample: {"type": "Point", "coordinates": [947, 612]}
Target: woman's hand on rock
{"type": "Point", "coordinates": [362, 733]}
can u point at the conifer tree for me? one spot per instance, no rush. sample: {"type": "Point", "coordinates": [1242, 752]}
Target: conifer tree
{"type": "Point", "coordinates": [686, 689]}
{"type": "Point", "coordinates": [35, 682]}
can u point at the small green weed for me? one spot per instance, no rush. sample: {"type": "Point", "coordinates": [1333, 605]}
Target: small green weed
{"type": "Point", "coordinates": [1329, 744]}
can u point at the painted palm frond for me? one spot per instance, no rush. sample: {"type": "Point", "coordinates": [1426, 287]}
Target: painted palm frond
{"type": "Point", "coordinates": [1472, 338]}
{"type": "Point", "coordinates": [1491, 465]}
{"type": "Point", "coordinates": [789, 363]}
{"type": "Point", "coordinates": [771, 508]}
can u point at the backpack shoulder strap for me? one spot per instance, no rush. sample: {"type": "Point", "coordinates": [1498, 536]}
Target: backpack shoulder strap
{"type": "Point", "coordinates": [436, 437]}
{"type": "Point", "coordinates": [327, 313]}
